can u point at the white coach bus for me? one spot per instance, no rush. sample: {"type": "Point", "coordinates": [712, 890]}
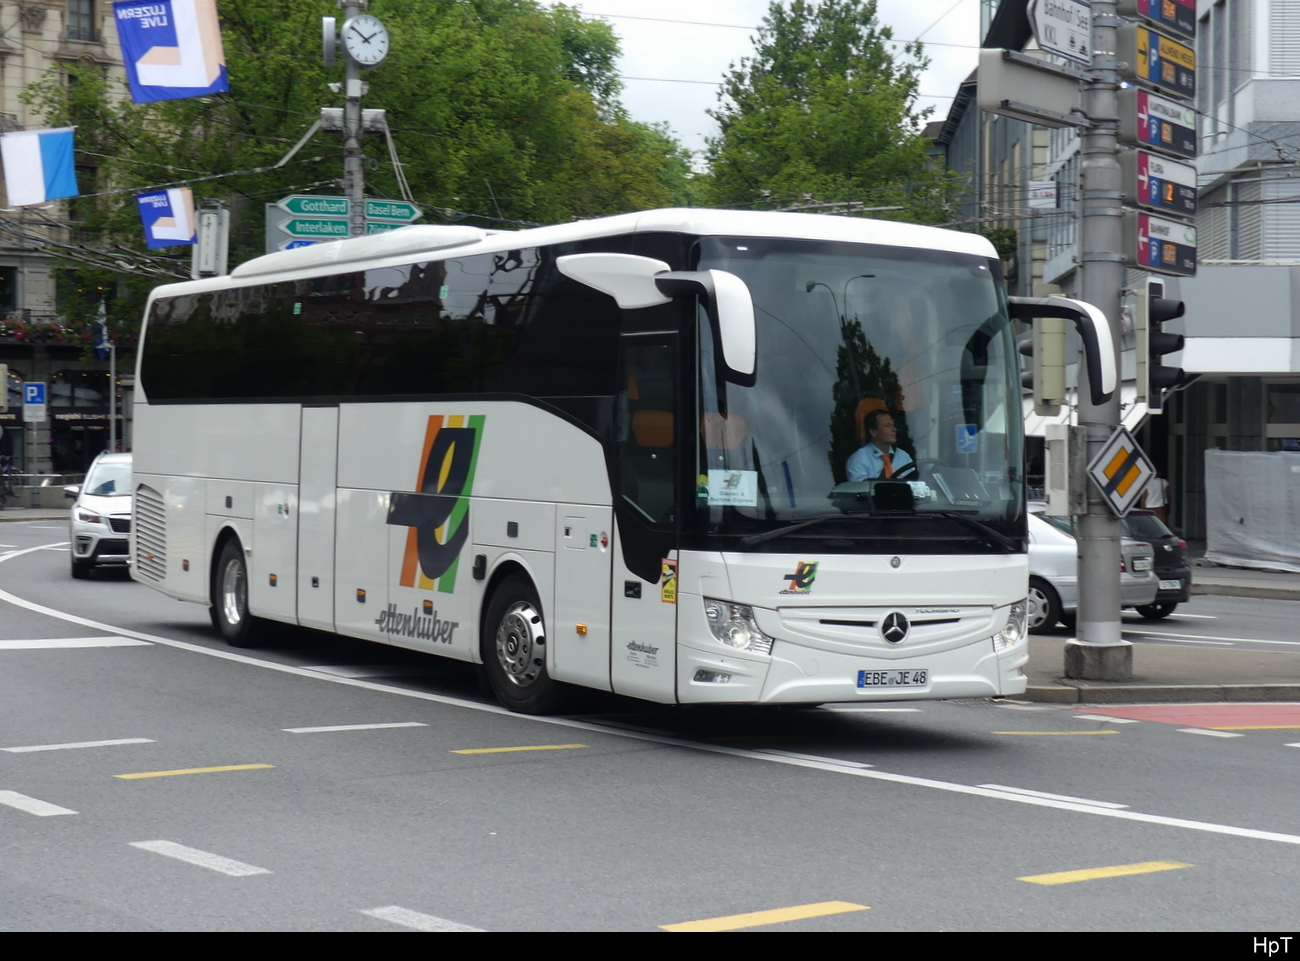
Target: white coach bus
{"type": "Point", "coordinates": [610, 454]}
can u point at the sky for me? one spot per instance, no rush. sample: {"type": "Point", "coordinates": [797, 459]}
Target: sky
{"type": "Point", "coordinates": [675, 52]}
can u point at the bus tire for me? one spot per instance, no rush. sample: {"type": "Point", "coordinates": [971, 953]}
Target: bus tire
{"type": "Point", "coordinates": [514, 650]}
{"type": "Point", "coordinates": [230, 598]}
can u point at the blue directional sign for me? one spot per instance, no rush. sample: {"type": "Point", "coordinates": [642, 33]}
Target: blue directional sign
{"type": "Point", "coordinates": [33, 393]}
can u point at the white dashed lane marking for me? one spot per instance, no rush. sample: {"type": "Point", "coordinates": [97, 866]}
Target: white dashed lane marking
{"type": "Point", "coordinates": [203, 859]}
{"type": "Point", "coordinates": [42, 809]}
{"type": "Point", "coordinates": [59, 643]}
{"type": "Point", "coordinates": [414, 919]}
{"type": "Point", "coordinates": [76, 744]}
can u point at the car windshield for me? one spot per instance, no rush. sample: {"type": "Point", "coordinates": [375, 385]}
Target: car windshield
{"type": "Point", "coordinates": [1145, 527]}
{"type": "Point", "coordinates": [108, 480]}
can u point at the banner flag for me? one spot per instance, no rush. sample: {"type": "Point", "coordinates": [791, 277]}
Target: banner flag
{"type": "Point", "coordinates": [101, 333]}
{"type": "Point", "coordinates": [171, 48]}
{"type": "Point", "coordinates": [38, 166]}
{"type": "Point", "coordinates": [168, 217]}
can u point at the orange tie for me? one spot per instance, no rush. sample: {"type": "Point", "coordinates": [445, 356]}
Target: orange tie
{"type": "Point", "coordinates": [889, 464]}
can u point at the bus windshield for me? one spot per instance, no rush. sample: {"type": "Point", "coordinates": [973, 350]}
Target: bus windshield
{"type": "Point", "coordinates": [853, 337]}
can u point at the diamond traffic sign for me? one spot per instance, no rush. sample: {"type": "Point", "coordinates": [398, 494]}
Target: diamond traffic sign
{"type": "Point", "coordinates": [1120, 471]}
{"type": "Point", "coordinates": [314, 206]}
{"type": "Point", "coordinates": [392, 210]}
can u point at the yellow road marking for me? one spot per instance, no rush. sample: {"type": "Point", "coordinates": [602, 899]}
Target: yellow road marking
{"type": "Point", "coordinates": [1259, 727]}
{"type": "Point", "coordinates": [1092, 874]}
{"type": "Point", "coordinates": [194, 770]}
{"type": "Point", "coordinates": [506, 750]}
{"type": "Point", "coordinates": [1055, 733]}
{"type": "Point", "coordinates": [755, 919]}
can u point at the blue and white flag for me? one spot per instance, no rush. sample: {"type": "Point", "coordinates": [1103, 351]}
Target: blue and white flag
{"type": "Point", "coordinates": [171, 48]}
{"type": "Point", "coordinates": [38, 166]}
{"type": "Point", "coordinates": [168, 217]}
{"type": "Point", "coordinates": [101, 333]}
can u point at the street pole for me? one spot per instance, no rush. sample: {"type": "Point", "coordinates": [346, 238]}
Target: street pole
{"type": "Point", "coordinates": [354, 182]}
{"type": "Point", "coordinates": [1100, 651]}
{"type": "Point", "coordinates": [112, 397]}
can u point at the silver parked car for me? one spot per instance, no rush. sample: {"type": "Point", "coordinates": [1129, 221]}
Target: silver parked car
{"type": "Point", "coordinates": [101, 514]}
{"type": "Point", "coordinates": [1054, 573]}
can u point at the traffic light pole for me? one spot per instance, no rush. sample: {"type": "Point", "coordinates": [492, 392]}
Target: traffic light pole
{"type": "Point", "coordinates": [1100, 651]}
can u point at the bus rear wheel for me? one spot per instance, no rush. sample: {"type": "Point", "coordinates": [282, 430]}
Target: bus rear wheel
{"type": "Point", "coordinates": [514, 650]}
{"type": "Point", "coordinates": [230, 598]}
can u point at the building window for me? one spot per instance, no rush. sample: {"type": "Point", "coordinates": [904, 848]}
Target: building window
{"type": "Point", "coordinates": [81, 20]}
{"type": "Point", "coordinates": [8, 290]}
{"type": "Point", "coordinates": [1284, 403]}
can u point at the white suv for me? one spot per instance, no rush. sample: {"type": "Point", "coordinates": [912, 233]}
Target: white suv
{"type": "Point", "coordinates": [101, 515]}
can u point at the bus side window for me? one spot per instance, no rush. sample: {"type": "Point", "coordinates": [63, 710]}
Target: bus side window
{"type": "Point", "coordinates": [647, 450]}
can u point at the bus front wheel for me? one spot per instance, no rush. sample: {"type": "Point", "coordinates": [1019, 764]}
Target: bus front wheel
{"type": "Point", "coordinates": [230, 598]}
{"type": "Point", "coordinates": [514, 650]}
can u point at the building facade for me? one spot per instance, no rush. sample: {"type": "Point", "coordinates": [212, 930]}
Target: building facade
{"type": "Point", "coordinates": [35, 344]}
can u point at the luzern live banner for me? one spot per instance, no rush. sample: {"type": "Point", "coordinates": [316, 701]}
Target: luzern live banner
{"type": "Point", "coordinates": [171, 48]}
{"type": "Point", "coordinates": [168, 217]}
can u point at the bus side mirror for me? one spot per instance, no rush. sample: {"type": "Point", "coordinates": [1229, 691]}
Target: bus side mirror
{"type": "Point", "coordinates": [636, 282]}
{"type": "Point", "coordinates": [731, 308]}
{"type": "Point", "coordinates": [1094, 331]}
{"type": "Point", "coordinates": [629, 279]}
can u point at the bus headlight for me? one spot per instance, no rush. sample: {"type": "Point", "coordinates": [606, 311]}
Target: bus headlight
{"type": "Point", "coordinates": [1014, 632]}
{"type": "Point", "coordinates": [734, 625]}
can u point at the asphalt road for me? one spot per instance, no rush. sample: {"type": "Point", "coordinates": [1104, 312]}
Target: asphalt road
{"type": "Point", "coordinates": [153, 779]}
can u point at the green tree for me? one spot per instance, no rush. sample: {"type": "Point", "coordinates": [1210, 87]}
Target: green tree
{"type": "Point", "coordinates": [502, 111]}
{"type": "Point", "coordinates": [824, 112]}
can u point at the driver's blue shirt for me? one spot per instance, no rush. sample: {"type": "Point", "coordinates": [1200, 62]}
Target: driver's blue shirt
{"type": "Point", "coordinates": [868, 462]}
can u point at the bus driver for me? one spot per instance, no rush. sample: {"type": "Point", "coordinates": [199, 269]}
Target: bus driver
{"type": "Point", "coordinates": [879, 457]}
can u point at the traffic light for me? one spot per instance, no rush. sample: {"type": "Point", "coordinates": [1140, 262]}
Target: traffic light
{"type": "Point", "coordinates": [1044, 344]}
{"type": "Point", "coordinates": [1153, 377]}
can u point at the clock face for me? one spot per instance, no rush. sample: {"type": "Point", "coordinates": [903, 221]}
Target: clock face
{"type": "Point", "coordinates": [365, 39]}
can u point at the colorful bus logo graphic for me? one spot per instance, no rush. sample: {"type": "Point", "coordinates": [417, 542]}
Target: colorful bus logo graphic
{"type": "Point", "coordinates": [801, 580]}
{"type": "Point", "coordinates": [436, 512]}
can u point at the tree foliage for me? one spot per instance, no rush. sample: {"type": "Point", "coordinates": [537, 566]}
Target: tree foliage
{"type": "Point", "coordinates": [824, 112]}
{"type": "Point", "coordinates": [502, 111]}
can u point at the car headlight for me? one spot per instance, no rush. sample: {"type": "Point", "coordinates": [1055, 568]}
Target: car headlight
{"type": "Point", "coordinates": [86, 516]}
{"type": "Point", "coordinates": [734, 625]}
{"type": "Point", "coordinates": [1014, 632]}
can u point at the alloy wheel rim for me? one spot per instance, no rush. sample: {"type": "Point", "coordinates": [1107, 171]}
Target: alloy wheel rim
{"type": "Point", "coordinates": [519, 644]}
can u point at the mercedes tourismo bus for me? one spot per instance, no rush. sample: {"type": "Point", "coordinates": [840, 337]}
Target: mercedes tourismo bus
{"type": "Point", "coordinates": [609, 454]}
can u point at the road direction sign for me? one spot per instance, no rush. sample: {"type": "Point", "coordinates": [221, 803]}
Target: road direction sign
{"type": "Point", "coordinates": [1146, 120]}
{"type": "Point", "coordinates": [392, 210]}
{"type": "Point", "coordinates": [1063, 27]}
{"type": "Point", "coordinates": [1178, 16]}
{"type": "Point", "coordinates": [1164, 246]}
{"type": "Point", "coordinates": [1013, 84]}
{"type": "Point", "coordinates": [315, 227]}
{"type": "Point", "coordinates": [311, 205]}
{"type": "Point", "coordinates": [1157, 61]}
{"type": "Point", "coordinates": [1164, 185]}
{"type": "Point", "coordinates": [1120, 471]}
{"type": "Point", "coordinates": [34, 408]}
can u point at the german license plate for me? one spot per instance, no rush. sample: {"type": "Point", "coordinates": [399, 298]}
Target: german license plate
{"type": "Point", "coordinates": [1141, 563]}
{"type": "Point", "coordinates": [1171, 585]}
{"type": "Point", "coordinates": [914, 678]}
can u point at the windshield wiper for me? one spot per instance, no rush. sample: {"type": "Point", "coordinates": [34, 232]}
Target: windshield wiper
{"type": "Point", "coordinates": [994, 535]}
{"type": "Point", "coordinates": [753, 539]}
